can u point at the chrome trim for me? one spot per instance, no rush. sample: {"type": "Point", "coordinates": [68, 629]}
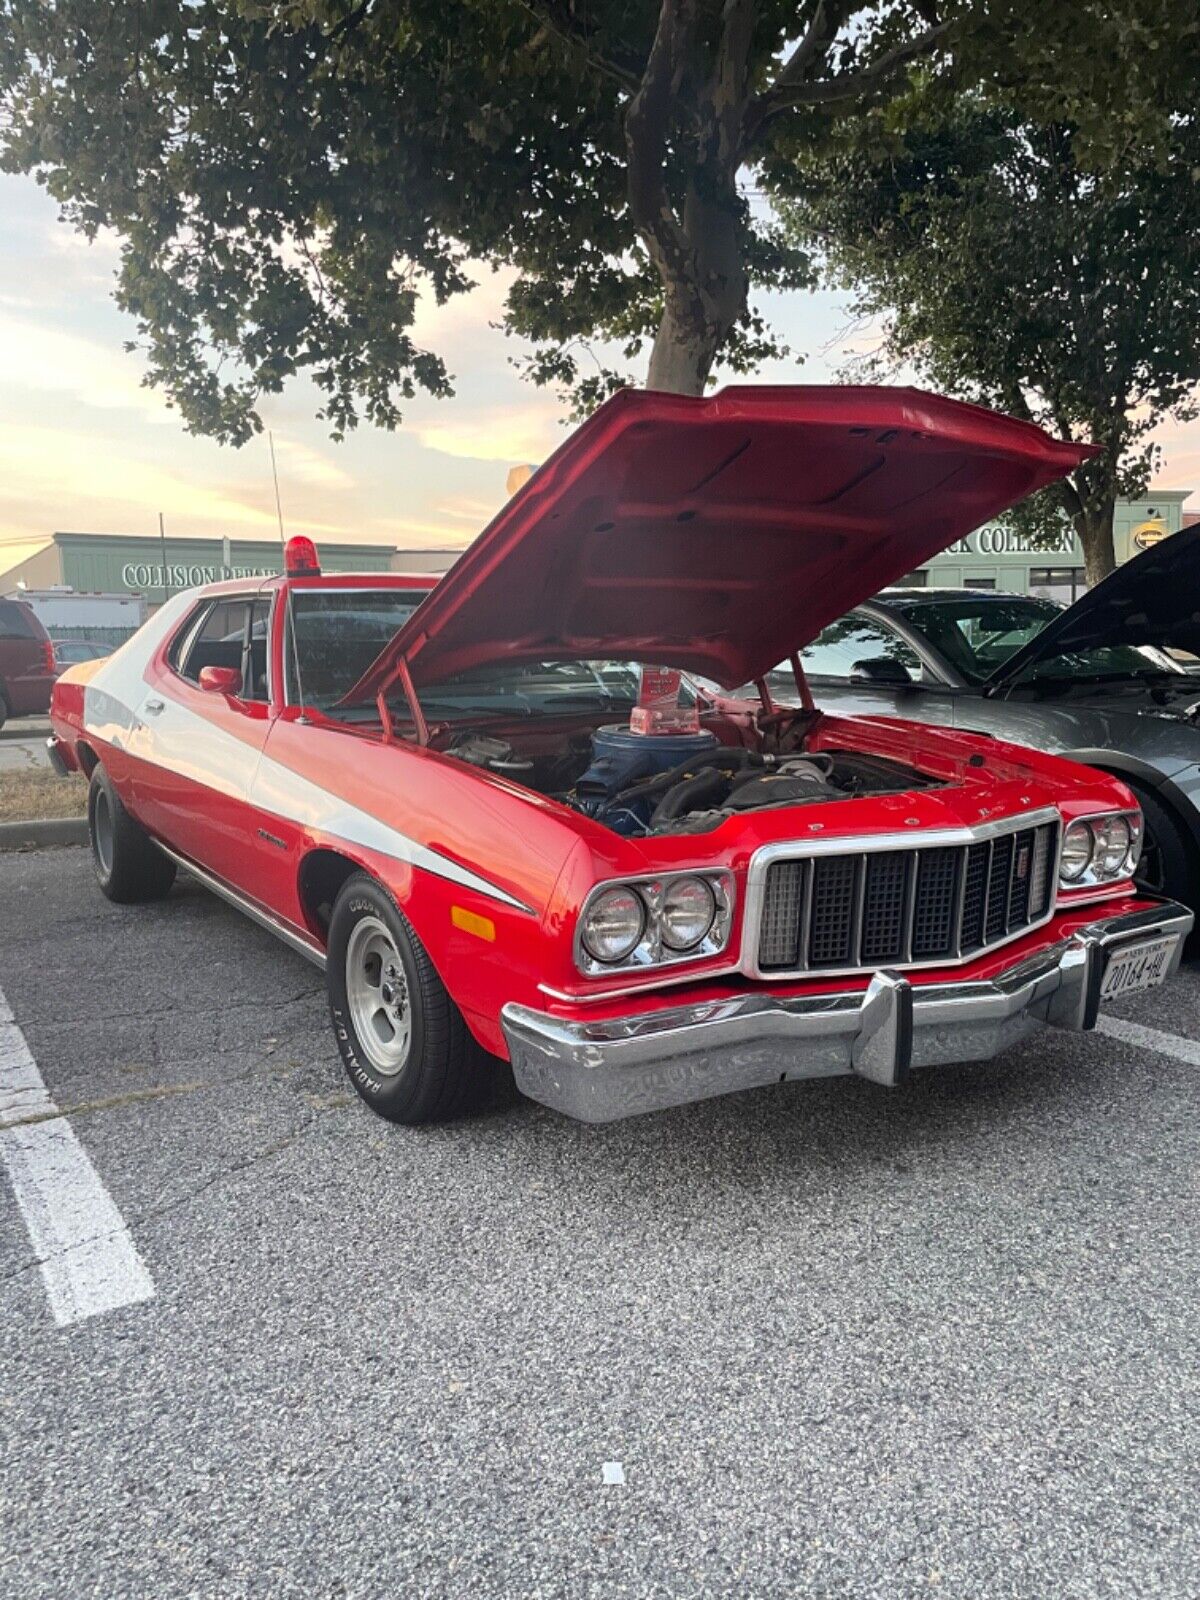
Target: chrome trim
{"type": "Point", "coordinates": [1089, 880]}
{"type": "Point", "coordinates": [849, 845]}
{"type": "Point", "coordinates": [651, 1060]}
{"type": "Point", "coordinates": [299, 942]}
{"type": "Point", "coordinates": [651, 954]}
{"type": "Point", "coordinates": [672, 980]}
{"type": "Point", "coordinates": [55, 756]}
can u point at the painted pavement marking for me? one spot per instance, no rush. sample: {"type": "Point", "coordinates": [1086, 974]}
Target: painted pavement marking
{"type": "Point", "coordinates": [88, 1261]}
{"type": "Point", "coordinates": [1167, 1044]}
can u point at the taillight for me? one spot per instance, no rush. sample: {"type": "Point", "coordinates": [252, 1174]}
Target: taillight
{"type": "Point", "coordinates": [51, 663]}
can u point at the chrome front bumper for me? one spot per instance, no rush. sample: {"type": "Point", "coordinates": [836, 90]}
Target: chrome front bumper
{"type": "Point", "coordinates": [601, 1071]}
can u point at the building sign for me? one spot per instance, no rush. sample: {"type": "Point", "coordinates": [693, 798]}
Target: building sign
{"type": "Point", "coordinates": [995, 540]}
{"type": "Point", "coordinates": [139, 575]}
{"type": "Point", "coordinates": [1150, 533]}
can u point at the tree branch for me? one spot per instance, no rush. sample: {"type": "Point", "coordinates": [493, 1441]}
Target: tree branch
{"type": "Point", "coordinates": [852, 85]}
{"type": "Point", "coordinates": [647, 119]}
{"type": "Point", "coordinates": [814, 47]}
{"type": "Point", "coordinates": [728, 90]}
{"type": "Point", "coordinates": [558, 16]}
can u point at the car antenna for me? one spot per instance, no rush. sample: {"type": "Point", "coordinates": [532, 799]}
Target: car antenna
{"type": "Point", "coordinates": [291, 613]}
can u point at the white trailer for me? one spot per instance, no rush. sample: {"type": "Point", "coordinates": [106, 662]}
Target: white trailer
{"type": "Point", "coordinates": [67, 613]}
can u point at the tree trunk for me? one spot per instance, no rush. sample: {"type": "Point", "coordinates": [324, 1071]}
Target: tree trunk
{"type": "Point", "coordinates": [1094, 525]}
{"type": "Point", "coordinates": [683, 354]}
{"type": "Point", "coordinates": [704, 294]}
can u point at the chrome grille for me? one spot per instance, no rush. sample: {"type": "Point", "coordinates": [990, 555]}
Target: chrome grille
{"type": "Point", "coordinates": [865, 909]}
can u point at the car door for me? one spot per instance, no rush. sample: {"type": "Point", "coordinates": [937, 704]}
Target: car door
{"type": "Point", "coordinates": [840, 661]}
{"type": "Point", "coordinates": [200, 748]}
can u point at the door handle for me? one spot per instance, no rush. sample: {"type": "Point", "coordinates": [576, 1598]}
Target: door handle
{"type": "Point", "coordinates": [154, 707]}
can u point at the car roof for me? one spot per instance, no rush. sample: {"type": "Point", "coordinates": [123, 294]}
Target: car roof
{"type": "Point", "coordinates": [900, 597]}
{"type": "Point", "coordinates": [326, 580]}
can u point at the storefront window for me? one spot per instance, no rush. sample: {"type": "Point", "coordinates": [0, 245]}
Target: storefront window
{"type": "Point", "coordinates": [1064, 584]}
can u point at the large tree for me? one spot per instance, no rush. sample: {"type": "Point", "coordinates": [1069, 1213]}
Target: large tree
{"type": "Point", "coordinates": [286, 175]}
{"type": "Point", "coordinates": [993, 261]}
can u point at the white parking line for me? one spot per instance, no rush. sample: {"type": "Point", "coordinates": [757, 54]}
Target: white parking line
{"type": "Point", "coordinates": [1167, 1044]}
{"type": "Point", "coordinates": [89, 1263]}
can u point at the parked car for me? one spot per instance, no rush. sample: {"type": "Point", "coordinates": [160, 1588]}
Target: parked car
{"type": "Point", "coordinates": [441, 798]}
{"type": "Point", "coordinates": [1105, 681]}
{"type": "Point", "coordinates": [69, 652]}
{"type": "Point", "coordinates": [27, 664]}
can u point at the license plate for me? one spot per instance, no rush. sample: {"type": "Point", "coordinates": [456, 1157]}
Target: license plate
{"type": "Point", "coordinates": [1137, 966]}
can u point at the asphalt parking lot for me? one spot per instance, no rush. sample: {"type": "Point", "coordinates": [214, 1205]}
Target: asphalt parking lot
{"type": "Point", "coordinates": [842, 1342]}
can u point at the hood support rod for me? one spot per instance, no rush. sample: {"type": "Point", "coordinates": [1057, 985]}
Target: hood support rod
{"type": "Point", "coordinates": [404, 677]}
{"type": "Point", "coordinates": [802, 688]}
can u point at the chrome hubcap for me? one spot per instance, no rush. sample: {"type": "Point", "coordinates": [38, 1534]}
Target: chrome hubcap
{"type": "Point", "coordinates": [102, 836]}
{"type": "Point", "coordinates": [377, 996]}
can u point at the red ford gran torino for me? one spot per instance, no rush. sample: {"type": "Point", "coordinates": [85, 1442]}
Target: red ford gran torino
{"type": "Point", "coordinates": [460, 802]}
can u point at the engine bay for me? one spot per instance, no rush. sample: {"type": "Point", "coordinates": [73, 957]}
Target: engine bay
{"type": "Point", "coordinates": [641, 785]}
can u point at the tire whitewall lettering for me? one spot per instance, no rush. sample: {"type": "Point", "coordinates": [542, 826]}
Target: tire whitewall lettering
{"type": "Point", "coordinates": [440, 1072]}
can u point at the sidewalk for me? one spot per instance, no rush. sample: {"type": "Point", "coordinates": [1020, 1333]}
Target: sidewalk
{"type": "Point", "coordinates": [24, 754]}
{"type": "Point", "coordinates": [26, 728]}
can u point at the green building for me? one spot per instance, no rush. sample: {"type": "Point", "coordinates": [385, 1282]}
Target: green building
{"type": "Point", "coordinates": [113, 563]}
{"type": "Point", "coordinates": [997, 557]}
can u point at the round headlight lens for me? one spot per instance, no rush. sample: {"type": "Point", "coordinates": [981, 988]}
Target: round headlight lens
{"type": "Point", "coordinates": [1113, 841]}
{"type": "Point", "coordinates": [686, 912]}
{"type": "Point", "coordinates": [1079, 843]}
{"type": "Point", "coordinates": [613, 925]}
{"type": "Point", "coordinates": [1137, 830]}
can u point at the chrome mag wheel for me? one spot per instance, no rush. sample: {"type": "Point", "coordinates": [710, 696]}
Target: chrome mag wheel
{"type": "Point", "coordinates": [377, 996]}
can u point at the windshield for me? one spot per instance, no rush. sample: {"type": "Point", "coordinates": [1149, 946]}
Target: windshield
{"type": "Point", "coordinates": [522, 689]}
{"type": "Point", "coordinates": [978, 636]}
{"type": "Point", "coordinates": [334, 636]}
{"type": "Point", "coordinates": [531, 689]}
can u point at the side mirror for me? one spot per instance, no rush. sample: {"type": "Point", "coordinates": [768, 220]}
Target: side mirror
{"type": "Point", "coordinates": [880, 669]}
{"type": "Point", "coordinates": [221, 680]}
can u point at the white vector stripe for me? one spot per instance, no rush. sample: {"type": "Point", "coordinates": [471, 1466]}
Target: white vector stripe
{"type": "Point", "coordinates": [88, 1261]}
{"type": "Point", "coordinates": [181, 741]}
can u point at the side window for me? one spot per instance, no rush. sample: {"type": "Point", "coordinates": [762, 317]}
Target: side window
{"type": "Point", "coordinates": [182, 642]}
{"type": "Point", "coordinates": [14, 622]}
{"type": "Point", "coordinates": [255, 669]}
{"type": "Point", "coordinates": [227, 633]}
{"type": "Point", "coordinates": [836, 648]}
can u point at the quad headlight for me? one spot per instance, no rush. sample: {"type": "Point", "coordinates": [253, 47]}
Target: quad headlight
{"type": "Point", "coordinates": [1100, 850]}
{"type": "Point", "coordinates": [614, 925]}
{"type": "Point", "coordinates": [653, 921]}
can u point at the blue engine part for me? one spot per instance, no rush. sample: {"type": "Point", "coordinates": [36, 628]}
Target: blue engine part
{"type": "Point", "coordinates": [621, 757]}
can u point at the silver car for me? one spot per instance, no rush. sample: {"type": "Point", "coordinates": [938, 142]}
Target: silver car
{"type": "Point", "coordinates": [1105, 682]}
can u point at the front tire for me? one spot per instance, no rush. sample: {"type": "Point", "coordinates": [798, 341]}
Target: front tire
{"type": "Point", "coordinates": [129, 866]}
{"type": "Point", "coordinates": [1166, 866]}
{"type": "Point", "coordinates": [403, 1041]}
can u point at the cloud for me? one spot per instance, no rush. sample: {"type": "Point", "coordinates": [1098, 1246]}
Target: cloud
{"type": "Point", "coordinates": [84, 481]}
{"type": "Point", "coordinates": [1180, 443]}
{"type": "Point", "coordinates": [523, 431]}
{"type": "Point", "coordinates": [302, 463]}
{"type": "Point", "coordinates": [469, 509]}
{"type": "Point", "coordinates": [39, 356]}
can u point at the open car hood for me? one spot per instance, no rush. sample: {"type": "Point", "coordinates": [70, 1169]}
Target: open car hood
{"type": "Point", "coordinates": [719, 534]}
{"type": "Point", "coordinates": [1151, 600]}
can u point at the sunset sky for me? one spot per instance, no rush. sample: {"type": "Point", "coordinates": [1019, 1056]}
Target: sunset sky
{"type": "Point", "coordinates": [84, 447]}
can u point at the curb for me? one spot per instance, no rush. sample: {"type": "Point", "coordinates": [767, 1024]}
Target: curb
{"type": "Point", "coordinates": [34, 729]}
{"type": "Point", "coordinates": [46, 834]}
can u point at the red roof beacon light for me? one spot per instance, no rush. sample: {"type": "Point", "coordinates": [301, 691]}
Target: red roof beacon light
{"type": "Point", "coordinates": [300, 558]}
